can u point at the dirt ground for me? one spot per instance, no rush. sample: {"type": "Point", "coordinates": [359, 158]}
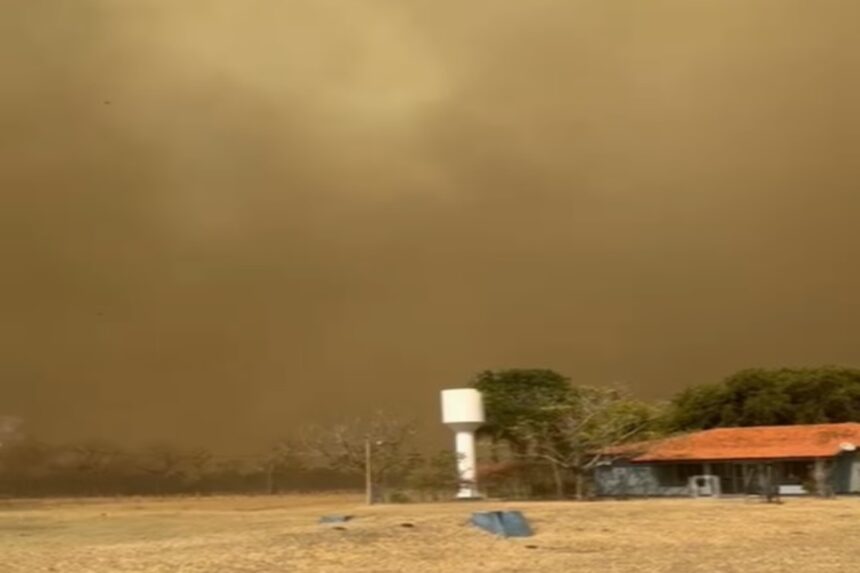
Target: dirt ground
{"type": "Point", "coordinates": [282, 534]}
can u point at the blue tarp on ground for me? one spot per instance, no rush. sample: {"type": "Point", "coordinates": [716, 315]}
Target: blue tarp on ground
{"type": "Point", "coordinates": [335, 518]}
{"type": "Point", "coordinates": [503, 523]}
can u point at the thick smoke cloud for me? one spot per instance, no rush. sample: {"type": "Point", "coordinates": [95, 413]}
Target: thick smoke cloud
{"type": "Point", "coordinates": [223, 220]}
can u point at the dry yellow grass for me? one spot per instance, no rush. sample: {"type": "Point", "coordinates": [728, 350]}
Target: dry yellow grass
{"type": "Point", "coordinates": [281, 534]}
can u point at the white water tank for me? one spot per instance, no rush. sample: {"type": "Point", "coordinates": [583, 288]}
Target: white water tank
{"type": "Point", "coordinates": [463, 412]}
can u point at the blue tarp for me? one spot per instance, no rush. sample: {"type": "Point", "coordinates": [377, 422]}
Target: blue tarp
{"type": "Point", "coordinates": [503, 523]}
{"type": "Point", "coordinates": [335, 518]}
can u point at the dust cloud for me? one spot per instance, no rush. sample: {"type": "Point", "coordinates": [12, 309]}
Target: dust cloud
{"type": "Point", "coordinates": [223, 220]}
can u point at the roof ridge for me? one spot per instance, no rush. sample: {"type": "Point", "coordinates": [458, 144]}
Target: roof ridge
{"type": "Point", "coordinates": [735, 428]}
{"type": "Point", "coordinates": [755, 442]}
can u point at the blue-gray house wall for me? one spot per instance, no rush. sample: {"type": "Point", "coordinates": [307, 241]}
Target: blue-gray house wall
{"type": "Point", "coordinates": [846, 473]}
{"type": "Point", "coordinates": [854, 480]}
{"type": "Point", "coordinates": [622, 478]}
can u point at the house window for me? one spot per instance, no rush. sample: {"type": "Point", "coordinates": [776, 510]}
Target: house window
{"type": "Point", "coordinates": [796, 473]}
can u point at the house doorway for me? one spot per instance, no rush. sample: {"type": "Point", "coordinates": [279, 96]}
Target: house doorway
{"type": "Point", "coordinates": [734, 477]}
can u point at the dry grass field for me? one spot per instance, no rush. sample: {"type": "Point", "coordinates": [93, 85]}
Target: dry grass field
{"type": "Point", "coordinates": [281, 534]}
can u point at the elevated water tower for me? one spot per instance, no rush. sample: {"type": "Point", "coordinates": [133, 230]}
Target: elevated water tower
{"type": "Point", "coordinates": [463, 412]}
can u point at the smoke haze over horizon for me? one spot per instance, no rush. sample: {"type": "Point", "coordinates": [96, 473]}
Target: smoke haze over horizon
{"type": "Point", "coordinates": [224, 220]}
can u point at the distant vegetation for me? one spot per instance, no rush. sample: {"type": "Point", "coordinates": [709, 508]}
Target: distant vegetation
{"type": "Point", "coordinates": [31, 468]}
{"type": "Point", "coordinates": [331, 458]}
{"type": "Point", "coordinates": [543, 437]}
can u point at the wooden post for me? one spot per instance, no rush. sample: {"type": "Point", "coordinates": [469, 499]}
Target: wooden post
{"type": "Point", "coordinates": [559, 482]}
{"type": "Point", "coordinates": [770, 484]}
{"type": "Point", "coordinates": [368, 470]}
{"type": "Point", "coordinates": [821, 474]}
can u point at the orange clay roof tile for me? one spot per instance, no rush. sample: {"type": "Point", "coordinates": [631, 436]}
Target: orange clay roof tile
{"type": "Point", "coordinates": [751, 443]}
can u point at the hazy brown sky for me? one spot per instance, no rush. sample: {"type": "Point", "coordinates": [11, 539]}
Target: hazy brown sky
{"type": "Point", "coordinates": [222, 219]}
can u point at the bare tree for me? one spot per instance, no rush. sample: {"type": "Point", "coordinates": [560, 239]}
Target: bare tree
{"type": "Point", "coordinates": [434, 476]}
{"type": "Point", "coordinates": [198, 462]}
{"type": "Point", "coordinates": [24, 463]}
{"type": "Point", "coordinates": [94, 460]}
{"type": "Point", "coordinates": [283, 456]}
{"type": "Point", "coordinates": [10, 430]}
{"type": "Point", "coordinates": [576, 433]}
{"type": "Point", "coordinates": [163, 462]}
{"type": "Point", "coordinates": [376, 448]}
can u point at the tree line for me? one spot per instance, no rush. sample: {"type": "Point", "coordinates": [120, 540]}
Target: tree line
{"type": "Point", "coordinates": [320, 459]}
{"type": "Point", "coordinates": [775, 397]}
{"type": "Point", "coordinates": [543, 437]}
{"type": "Point", "coordinates": [33, 468]}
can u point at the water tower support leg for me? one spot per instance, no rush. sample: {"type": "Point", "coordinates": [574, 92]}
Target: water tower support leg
{"type": "Point", "coordinates": [466, 464]}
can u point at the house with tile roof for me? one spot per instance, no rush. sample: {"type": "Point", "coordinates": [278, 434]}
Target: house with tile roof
{"type": "Point", "coordinates": [737, 461]}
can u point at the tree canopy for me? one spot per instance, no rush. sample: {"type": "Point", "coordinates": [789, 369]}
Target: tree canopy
{"type": "Point", "coordinates": [764, 397]}
{"type": "Point", "coordinates": [516, 396]}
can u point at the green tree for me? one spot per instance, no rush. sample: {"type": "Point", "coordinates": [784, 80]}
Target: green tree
{"type": "Point", "coordinates": [516, 397]}
{"type": "Point", "coordinates": [762, 397]}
